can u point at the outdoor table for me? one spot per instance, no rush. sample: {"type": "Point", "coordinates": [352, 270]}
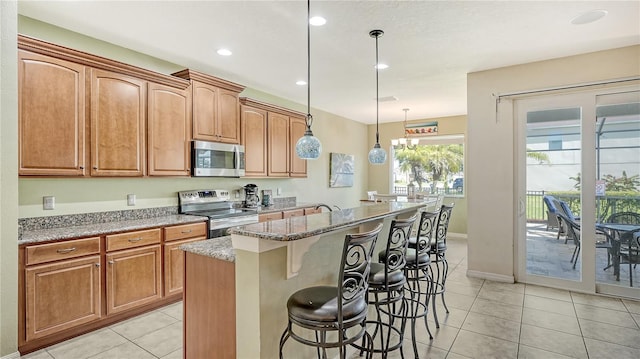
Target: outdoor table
{"type": "Point", "coordinates": [616, 230]}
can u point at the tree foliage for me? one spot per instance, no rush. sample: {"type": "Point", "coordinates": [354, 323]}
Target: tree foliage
{"type": "Point", "coordinates": [434, 160]}
{"type": "Point", "coordinates": [613, 183]}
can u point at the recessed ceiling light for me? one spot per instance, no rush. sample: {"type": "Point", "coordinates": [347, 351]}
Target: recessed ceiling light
{"type": "Point", "coordinates": [381, 66]}
{"type": "Point", "coordinates": [589, 17]}
{"type": "Point", "coordinates": [317, 21]}
{"type": "Point", "coordinates": [224, 52]}
{"type": "Point", "coordinates": [301, 82]}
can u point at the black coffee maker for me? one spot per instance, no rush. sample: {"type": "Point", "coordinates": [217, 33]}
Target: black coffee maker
{"type": "Point", "coordinates": [251, 199]}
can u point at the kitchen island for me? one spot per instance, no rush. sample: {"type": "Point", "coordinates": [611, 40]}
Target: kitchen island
{"type": "Point", "coordinates": [235, 303]}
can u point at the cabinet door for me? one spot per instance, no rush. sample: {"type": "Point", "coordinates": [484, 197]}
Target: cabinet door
{"type": "Point", "coordinates": [228, 119]}
{"type": "Point", "coordinates": [51, 112]}
{"type": "Point", "coordinates": [118, 114]}
{"type": "Point", "coordinates": [174, 266]}
{"type": "Point", "coordinates": [278, 145]}
{"type": "Point", "coordinates": [298, 166]}
{"type": "Point", "coordinates": [169, 127]}
{"type": "Point", "coordinates": [205, 111]}
{"type": "Point", "coordinates": [134, 278]}
{"type": "Point", "coordinates": [254, 139]}
{"type": "Point", "coordinates": [62, 295]}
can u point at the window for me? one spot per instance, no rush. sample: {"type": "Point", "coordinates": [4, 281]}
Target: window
{"type": "Point", "coordinates": [435, 165]}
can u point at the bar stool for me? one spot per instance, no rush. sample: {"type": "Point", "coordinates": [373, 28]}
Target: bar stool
{"type": "Point", "coordinates": [386, 288]}
{"type": "Point", "coordinates": [418, 272]}
{"type": "Point", "coordinates": [438, 258]}
{"type": "Point", "coordinates": [335, 309]}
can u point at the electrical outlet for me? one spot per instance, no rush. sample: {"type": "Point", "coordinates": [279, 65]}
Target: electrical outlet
{"type": "Point", "coordinates": [236, 193]}
{"type": "Point", "coordinates": [279, 191]}
{"type": "Point", "coordinates": [131, 200]}
{"type": "Point", "coordinates": [48, 202]}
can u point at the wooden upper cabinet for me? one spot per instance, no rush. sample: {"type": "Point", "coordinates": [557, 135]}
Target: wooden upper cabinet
{"type": "Point", "coordinates": [216, 107]}
{"type": "Point", "coordinates": [269, 136]}
{"type": "Point", "coordinates": [278, 145]}
{"type": "Point", "coordinates": [254, 138]}
{"type": "Point", "coordinates": [169, 131]}
{"type": "Point", "coordinates": [118, 114]}
{"type": "Point", "coordinates": [51, 112]}
{"type": "Point", "coordinates": [297, 166]}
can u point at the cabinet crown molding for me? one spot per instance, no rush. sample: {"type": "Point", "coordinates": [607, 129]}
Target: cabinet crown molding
{"type": "Point", "coordinates": [45, 48]}
{"type": "Point", "coordinates": [189, 74]}
{"type": "Point", "coordinates": [270, 107]}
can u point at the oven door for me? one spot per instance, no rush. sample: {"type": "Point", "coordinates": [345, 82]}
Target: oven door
{"type": "Point", "coordinates": [211, 159]}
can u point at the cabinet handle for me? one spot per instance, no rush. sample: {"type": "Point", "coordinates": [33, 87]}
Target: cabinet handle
{"type": "Point", "coordinates": [95, 167]}
{"type": "Point", "coordinates": [111, 262]}
{"type": "Point", "coordinates": [134, 240]}
{"type": "Point", "coordinates": [65, 251]}
{"type": "Point", "coordinates": [97, 264]}
{"type": "Point", "coordinates": [185, 232]}
{"type": "Point", "coordinates": [81, 167]}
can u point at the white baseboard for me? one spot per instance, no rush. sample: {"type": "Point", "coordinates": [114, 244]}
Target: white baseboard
{"type": "Point", "coordinates": [490, 276]}
{"type": "Point", "coordinates": [15, 355]}
{"type": "Point", "coordinates": [456, 235]}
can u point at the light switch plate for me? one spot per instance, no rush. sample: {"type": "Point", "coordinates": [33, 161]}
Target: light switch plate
{"type": "Point", "coordinates": [48, 202]}
{"type": "Point", "coordinates": [131, 200]}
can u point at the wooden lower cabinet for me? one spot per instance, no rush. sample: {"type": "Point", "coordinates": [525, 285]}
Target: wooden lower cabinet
{"type": "Point", "coordinates": [134, 278]}
{"type": "Point", "coordinates": [62, 295]}
{"type": "Point", "coordinates": [209, 325]}
{"type": "Point", "coordinates": [174, 266]}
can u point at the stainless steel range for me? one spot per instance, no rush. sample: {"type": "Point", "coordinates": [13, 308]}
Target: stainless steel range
{"type": "Point", "coordinates": [216, 205]}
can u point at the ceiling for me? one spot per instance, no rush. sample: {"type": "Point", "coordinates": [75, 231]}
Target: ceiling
{"type": "Point", "coordinates": [430, 46]}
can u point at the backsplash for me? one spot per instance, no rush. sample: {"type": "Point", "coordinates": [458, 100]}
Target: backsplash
{"type": "Point", "coordinates": [38, 223]}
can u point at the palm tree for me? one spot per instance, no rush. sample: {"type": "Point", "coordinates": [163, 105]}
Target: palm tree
{"type": "Point", "coordinates": [438, 160]}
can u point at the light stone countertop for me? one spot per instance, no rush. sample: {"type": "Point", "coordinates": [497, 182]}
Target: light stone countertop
{"type": "Point", "coordinates": [217, 248]}
{"type": "Point", "coordinates": [295, 228]}
{"type": "Point", "coordinates": [52, 234]}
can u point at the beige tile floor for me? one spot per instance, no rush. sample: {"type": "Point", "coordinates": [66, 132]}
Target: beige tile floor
{"type": "Point", "coordinates": [486, 320]}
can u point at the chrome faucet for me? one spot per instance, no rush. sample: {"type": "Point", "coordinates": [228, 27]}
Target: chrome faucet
{"type": "Point", "coordinates": [325, 206]}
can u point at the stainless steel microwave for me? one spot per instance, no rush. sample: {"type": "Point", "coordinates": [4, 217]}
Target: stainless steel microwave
{"type": "Point", "coordinates": [212, 159]}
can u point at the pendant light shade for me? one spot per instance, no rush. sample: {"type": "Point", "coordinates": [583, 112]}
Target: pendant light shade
{"type": "Point", "coordinates": [308, 146]}
{"type": "Point", "coordinates": [377, 155]}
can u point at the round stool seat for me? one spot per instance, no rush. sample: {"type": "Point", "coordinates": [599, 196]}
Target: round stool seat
{"type": "Point", "coordinates": [422, 260]}
{"type": "Point", "coordinates": [376, 277]}
{"type": "Point", "coordinates": [320, 304]}
{"type": "Point", "coordinates": [438, 247]}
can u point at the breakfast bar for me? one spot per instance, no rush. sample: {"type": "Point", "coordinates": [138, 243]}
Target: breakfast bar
{"type": "Point", "coordinates": [269, 261]}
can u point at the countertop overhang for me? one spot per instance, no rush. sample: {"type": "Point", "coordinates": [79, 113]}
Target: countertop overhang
{"type": "Point", "coordinates": [297, 228]}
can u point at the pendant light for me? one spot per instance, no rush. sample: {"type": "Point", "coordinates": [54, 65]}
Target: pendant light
{"type": "Point", "coordinates": [308, 146]}
{"type": "Point", "coordinates": [377, 155]}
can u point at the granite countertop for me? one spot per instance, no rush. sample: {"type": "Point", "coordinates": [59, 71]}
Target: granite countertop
{"type": "Point", "coordinates": [291, 229]}
{"type": "Point", "coordinates": [52, 234]}
{"type": "Point", "coordinates": [285, 206]}
{"type": "Point", "coordinates": [218, 248]}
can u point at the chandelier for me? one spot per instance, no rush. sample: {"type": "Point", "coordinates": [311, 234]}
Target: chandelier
{"type": "Point", "coordinates": [405, 142]}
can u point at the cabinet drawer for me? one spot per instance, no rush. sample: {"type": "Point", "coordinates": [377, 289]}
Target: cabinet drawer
{"type": "Point", "coordinates": [133, 239]}
{"type": "Point", "coordinates": [293, 213]}
{"type": "Point", "coordinates": [62, 250]}
{"type": "Point", "coordinates": [269, 216]}
{"type": "Point", "coordinates": [185, 231]}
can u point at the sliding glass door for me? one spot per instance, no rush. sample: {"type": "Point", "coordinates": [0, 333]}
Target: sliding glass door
{"type": "Point", "coordinates": [572, 147]}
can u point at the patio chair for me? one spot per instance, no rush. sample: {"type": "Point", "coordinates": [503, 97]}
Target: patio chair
{"type": "Point", "coordinates": [573, 232]}
{"type": "Point", "coordinates": [564, 209]}
{"type": "Point", "coordinates": [552, 219]}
